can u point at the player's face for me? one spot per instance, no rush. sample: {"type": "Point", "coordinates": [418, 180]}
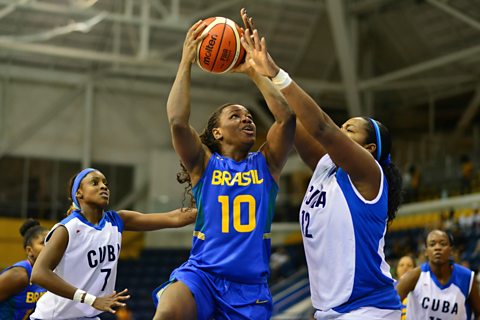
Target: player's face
{"type": "Point", "coordinates": [355, 129]}
{"type": "Point", "coordinates": [36, 246]}
{"type": "Point", "coordinates": [438, 249]}
{"type": "Point", "coordinates": [236, 125]}
{"type": "Point", "coordinates": [405, 264]}
{"type": "Point", "coordinates": [94, 189]}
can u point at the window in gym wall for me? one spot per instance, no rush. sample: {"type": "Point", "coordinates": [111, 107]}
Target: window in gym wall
{"type": "Point", "coordinates": [34, 187]}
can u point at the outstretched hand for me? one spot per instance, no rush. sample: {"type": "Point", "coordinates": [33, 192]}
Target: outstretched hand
{"type": "Point", "coordinates": [110, 302]}
{"type": "Point", "coordinates": [193, 38]}
{"type": "Point", "coordinates": [190, 215]}
{"type": "Point", "coordinates": [256, 49]}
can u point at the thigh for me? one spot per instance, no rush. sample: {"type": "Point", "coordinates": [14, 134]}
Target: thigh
{"type": "Point", "coordinates": [176, 302]}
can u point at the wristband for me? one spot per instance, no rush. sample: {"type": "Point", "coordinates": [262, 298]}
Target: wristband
{"type": "Point", "coordinates": [281, 80]}
{"type": "Point", "coordinates": [77, 296]}
{"type": "Point", "coordinates": [89, 299]}
{"type": "Point", "coordinates": [84, 297]}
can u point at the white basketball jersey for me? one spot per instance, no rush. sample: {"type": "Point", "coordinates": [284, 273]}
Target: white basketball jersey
{"type": "Point", "coordinates": [430, 300]}
{"type": "Point", "coordinates": [343, 237]}
{"type": "Point", "coordinates": [89, 263]}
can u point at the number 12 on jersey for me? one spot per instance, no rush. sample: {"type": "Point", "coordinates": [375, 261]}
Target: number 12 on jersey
{"type": "Point", "coordinates": [247, 199]}
{"type": "Point", "coordinates": [306, 224]}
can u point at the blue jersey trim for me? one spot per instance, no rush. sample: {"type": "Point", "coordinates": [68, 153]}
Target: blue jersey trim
{"type": "Point", "coordinates": [110, 216]}
{"type": "Point", "coordinates": [371, 288]}
{"type": "Point", "coordinates": [460, 276]}
{"type": "Point", "coordinates": [23, 264]}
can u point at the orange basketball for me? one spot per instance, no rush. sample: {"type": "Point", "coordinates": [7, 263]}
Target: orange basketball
{"type": "Point", "coordinates": [221, 50]}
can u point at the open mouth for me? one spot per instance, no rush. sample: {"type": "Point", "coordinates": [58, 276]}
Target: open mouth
{"type": "Point", "coordinates": [248, 130]}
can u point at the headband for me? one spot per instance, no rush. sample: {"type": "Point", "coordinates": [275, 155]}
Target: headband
{"type": "Point", "coordinates": [76, 185]}
{"type": "Point", "coordinates": [379, 139]}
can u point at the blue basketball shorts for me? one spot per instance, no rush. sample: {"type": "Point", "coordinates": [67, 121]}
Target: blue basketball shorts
{"type": "Point", "coordinates": [220, 299]}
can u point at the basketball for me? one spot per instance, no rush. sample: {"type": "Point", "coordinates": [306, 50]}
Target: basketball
{"type": "Point", "coordinates": [221, 50]}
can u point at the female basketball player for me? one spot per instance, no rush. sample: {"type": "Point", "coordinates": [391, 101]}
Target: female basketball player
{"type": "Point", "coordinates": [353, 193]}
{"type": "Point", "coordinates": [78, 265]}
{"type": "Point", "coordinates": [440, 289]}
{"type": "Point", "coordinates": [226, 274]}
{"type": "Point", "coordinates": [18, 296]}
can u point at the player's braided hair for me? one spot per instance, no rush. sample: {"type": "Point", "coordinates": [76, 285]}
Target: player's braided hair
{"type": "Point", "coordinates": [207, 139]}
{"type": "Point", "coordinates": [393, 175]}
{"type": "Point", "coordinates": [214, 122]}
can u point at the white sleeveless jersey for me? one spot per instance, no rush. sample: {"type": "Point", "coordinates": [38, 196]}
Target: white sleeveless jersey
{"type": "Point", "coordinates": [430, 300]}
{"type": "Point", "coordinates": [343, 237]}
{"type": "Point", "coordinates": [89, 263]}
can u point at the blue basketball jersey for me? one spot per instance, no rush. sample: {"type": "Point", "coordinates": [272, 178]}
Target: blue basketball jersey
{"type": "Point", "coordinates": [21, 305]}
{"type": "Point", "coordinates": [235, 202]}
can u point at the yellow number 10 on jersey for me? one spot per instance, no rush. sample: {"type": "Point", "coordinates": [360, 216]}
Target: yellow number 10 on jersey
{"type": "Point", "coordinates": [237, 224]}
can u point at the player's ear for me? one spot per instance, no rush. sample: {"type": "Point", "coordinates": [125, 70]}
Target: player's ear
{"type": "Point", "coordinates": [217, 133]}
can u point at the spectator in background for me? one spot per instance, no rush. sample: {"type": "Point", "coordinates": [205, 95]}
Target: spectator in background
{"type": "Point", "coordinates": [405, 264]}
{"type": "Point", "coordinates": [411, 182]}
{"type": "Point", "coordinates": [448, 221]}
{"type": "Point", "coordinates": [466, 177]}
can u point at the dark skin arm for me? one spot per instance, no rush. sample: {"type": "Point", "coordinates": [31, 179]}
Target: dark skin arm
{"type": "Point", "coordinates": [309, 149]}
{"type": "Point", "coordinates": [47, 261]}
{"type": "Point", "coordinates": [13, 281]}
{"type": "Point", "coordinates": [136, 221]}
{"type": "Point", "coordinates": [186, 142]}
{"type": "Point", "coordinates": [352, 157]}
{"type": "Point", "coordinates": [474, 299]}
{"type": "Point", "coordinates": [408, 282]}
{"type": "Point", "coordinates": [281, 135]}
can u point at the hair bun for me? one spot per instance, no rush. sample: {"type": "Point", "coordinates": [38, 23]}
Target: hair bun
{"type": "Point", "coordinates": [27, 225]}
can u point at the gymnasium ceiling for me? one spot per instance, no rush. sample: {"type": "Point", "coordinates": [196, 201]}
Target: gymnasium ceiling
{"type": "Point", "coordinates": [413, 64]}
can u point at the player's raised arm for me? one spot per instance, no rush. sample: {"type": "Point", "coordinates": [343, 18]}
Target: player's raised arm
{"type": "Point", "coordinates": [185, 139]}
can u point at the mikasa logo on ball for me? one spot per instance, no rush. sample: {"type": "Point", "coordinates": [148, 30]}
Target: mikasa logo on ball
{"type": "Point", "coordinates": [209, 48]}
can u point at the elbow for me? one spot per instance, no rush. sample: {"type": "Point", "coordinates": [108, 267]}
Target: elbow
{"type": "Point", "coordinates": [34, 278]}
{"type": "Point", "coordinates": [177, 121]}
{"type": "Point", "coordinates": [37, 277]}
{"type": "Point", "coordinates": [291, 118]}
{"type": "Point", "coordinates": [288, 120]}
{"type": "Point", "coordinates": [289, 114]}
{"type": "Point", "coordinates": [178, 126]}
